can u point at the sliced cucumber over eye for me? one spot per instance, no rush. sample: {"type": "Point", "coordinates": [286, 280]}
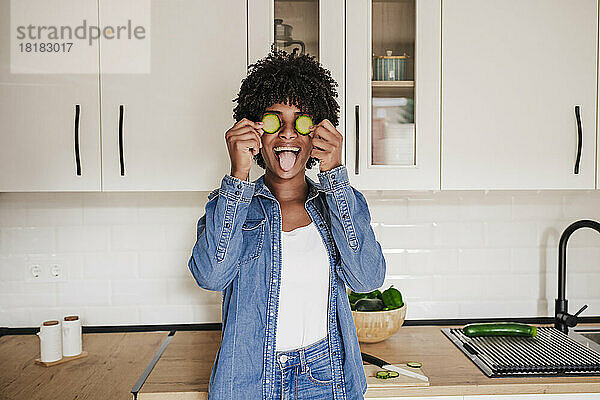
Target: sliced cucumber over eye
{"type": "Point", "coordinates": [271, 123]}
{"type": "Point", "coordinates": [303, 123]}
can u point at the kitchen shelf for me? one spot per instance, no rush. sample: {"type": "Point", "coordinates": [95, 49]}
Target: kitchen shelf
{"type": "Point", "coordinates": [393, 84]}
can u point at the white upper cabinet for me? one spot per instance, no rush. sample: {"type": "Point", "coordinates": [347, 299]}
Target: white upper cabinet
{"type": "Point", "coordinates": [513, 72]}
{"type": "Point", "coordinates": [49, 122]}
{"type": "Point", "coordinates": [165, 130]}
{"type": "Point", "coordinates": [393, 96]}
{"type": "Point", "coordinates": [314, 27]}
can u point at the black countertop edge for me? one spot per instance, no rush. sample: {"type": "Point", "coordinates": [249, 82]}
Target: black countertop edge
{"type": "Point", "coordinates": [216, 326]}
{"type": "Point", "coordinates": [142, 379]}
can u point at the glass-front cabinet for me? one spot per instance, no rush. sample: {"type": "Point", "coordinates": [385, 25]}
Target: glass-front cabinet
{"type": "Point", "coordinates": [314, 27]}
{"type": "Point", "coordinates": [393, 97]}
{"type": "Point", "coordinates": [385, 56]}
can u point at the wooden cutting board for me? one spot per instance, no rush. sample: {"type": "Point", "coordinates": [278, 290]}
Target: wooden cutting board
{"type": "Point", "coordinates": [400, 380]}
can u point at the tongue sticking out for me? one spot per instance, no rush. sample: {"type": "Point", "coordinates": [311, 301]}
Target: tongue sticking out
{"type": "Point", "coordinates": [287, 160]}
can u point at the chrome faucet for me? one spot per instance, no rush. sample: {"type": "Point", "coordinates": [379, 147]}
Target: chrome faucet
{"type": "Point", "coordinates": [562, 319]}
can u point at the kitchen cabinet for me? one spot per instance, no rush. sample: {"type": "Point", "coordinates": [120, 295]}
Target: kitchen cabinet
{"type": "Point", "coordinates": [172, 120]}
{"type": "Point", "coordinates": [43, 114]}
{"type": "Point", "coordinates": [184, 368]}
{"type": "Point", "coordinates": [417, 398]}
{"type": "Point", "coordinates": [314, 27]}
{"type": "Point", "coordinates": [390, 128]}
{"type": "Point", "coordinates": [114, 363]}
{"type": "Point", "coordinates": [562, 396]}
{"type": "Point", "coordinates": [157, 129]}
{"type": "Point", "coordinates": [393, 120]}
{"type": "Point", "coordinates": [513, 72]}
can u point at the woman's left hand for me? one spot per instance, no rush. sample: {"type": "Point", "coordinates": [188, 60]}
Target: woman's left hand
{"type": "Point", "coordinates": [327, 145]}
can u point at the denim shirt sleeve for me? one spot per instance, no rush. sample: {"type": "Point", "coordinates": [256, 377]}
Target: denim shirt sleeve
{"type": "Point", "coordinates": [213, 262]}
{"type": "Point", "coordinates": [362, 265]}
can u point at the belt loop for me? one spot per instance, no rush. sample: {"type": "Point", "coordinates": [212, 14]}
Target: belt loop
{"type": "Point", "coordinates": [302, 361]}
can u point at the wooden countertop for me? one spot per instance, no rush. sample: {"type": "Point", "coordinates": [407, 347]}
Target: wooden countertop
{"type": "Point", "coordinates": [117, 360]}
{"type": "Point", "coordinates": [183, 370]}
{"type": "Point", "coordinates": [114, 363]}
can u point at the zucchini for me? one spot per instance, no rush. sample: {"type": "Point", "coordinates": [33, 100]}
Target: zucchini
{"type": "Point", "coordinates": [353, 297]}
{"type": "Point", "coordinates": [303, 123]}
{"type": "Point", "coordinates": [385, 374]}
{"type": "Point", "coordinates": [271, 123]}
{"type": "Point", "coordinates": [499, 329]}
{"type": "Point", "coordinates": [382, 374]}
{"type": "Point", "coordinates": [368, 305]}
{"type": "Point", "coordinates": [414, 364]}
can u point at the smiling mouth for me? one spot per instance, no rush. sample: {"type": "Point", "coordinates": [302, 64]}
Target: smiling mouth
{"type": "Point", "coordinates": [286, 155]}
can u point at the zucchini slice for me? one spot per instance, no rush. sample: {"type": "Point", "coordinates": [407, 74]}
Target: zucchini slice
{"type": "Point", "coordinates": [303, 123]}
{"type": "Point", "coordinates": [385, 374]}
{"type": "Point", "coordinates": [414, 364]}
{"type": "Point", "coordinates": [271, 123]}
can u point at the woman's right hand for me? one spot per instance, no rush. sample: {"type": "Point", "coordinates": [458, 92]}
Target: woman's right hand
{"type": "Point", "coordinates": [243, 142]}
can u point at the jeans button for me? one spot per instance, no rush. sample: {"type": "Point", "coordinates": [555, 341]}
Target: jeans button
{"type": "Point", "coordinates": [283, 358]}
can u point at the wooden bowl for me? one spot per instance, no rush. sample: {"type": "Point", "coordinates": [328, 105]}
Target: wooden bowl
{"type": "Point", "coordinates": [375, 326]}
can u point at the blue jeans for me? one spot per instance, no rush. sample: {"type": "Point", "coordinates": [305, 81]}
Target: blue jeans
{"type": "Point", "coordinates": [304, 373]}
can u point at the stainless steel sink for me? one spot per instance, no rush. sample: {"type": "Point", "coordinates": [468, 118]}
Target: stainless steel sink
{"type": "Point", "coordinates": [590, 337]}
{"type": "Point", "coordinates": [593, 336]}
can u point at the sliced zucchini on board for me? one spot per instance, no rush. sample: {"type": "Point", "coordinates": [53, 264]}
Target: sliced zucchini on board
{"type": "Point", "coordinates": [271, 123]}
{"type": "Point", "coordinates": [414, 364]}
{"type": "Point", "coordinates": [385, 374]}
{"type": "Point", "coordinates": [303, 123]}
{"type": "Point", "coordinates": [499, 329]}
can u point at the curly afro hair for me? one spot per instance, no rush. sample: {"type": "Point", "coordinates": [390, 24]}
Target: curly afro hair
{"type": "Point", "coordinates": [287, 78]}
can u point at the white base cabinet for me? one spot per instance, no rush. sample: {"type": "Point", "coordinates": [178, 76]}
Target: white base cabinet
{"type": "Point", "coordinates": [568, 396]}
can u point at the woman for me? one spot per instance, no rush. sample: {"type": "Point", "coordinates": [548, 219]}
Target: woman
{"type": "Point", "coordinates": [283, 248]}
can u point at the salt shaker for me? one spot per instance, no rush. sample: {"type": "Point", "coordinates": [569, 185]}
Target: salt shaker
{"type": "Point", "coordinates": [71, 336]}
{"type": "Point", "coordinates": [50, 341]}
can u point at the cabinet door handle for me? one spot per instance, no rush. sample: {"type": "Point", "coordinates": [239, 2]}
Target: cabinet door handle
{"type": "Point", "coordinates": [579, 139]}
{"type": "Point", "coordinates": [121, 162]}
{"type": "Point", "coordinates": [77, 159]}
{"type": "Point", "coordinates": [356, 150]}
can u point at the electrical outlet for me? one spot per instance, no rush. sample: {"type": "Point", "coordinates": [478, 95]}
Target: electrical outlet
{"type": "Point", "coordinates": [45, 271]}
{"type": "Point", "coordinates": [56, 272]}
{"type": "Point", "coordinates": [35, 273]}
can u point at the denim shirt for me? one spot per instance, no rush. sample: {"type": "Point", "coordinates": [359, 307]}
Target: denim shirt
{"type": "Point", "coordinates": [238, 252]}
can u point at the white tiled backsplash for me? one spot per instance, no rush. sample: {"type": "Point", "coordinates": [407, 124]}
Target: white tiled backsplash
{"type": "Point", "coordinates": [456, 254]}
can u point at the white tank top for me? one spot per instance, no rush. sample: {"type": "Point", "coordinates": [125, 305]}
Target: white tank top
{"type": "Point", "coordinates": [304, 291]}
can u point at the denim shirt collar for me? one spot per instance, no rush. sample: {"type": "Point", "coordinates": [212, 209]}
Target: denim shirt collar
{"type": "Point", "coordinates": [260, 189]}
